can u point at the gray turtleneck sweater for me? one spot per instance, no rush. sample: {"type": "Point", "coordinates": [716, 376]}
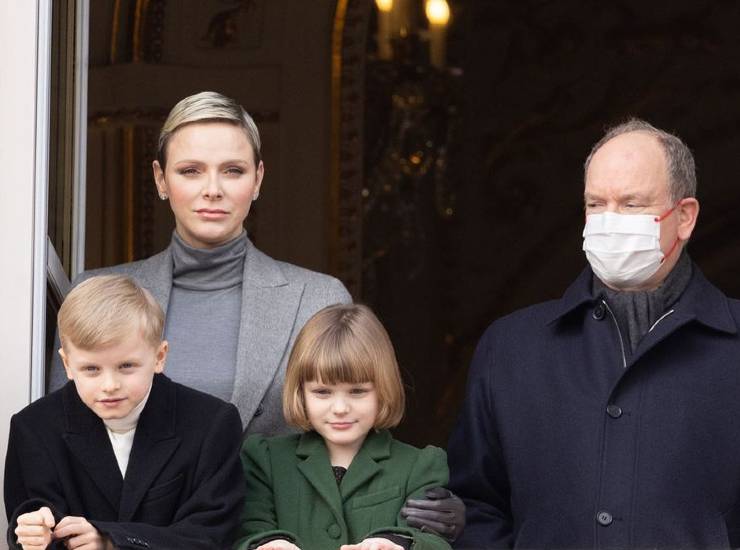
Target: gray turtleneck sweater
{"type": "Point", "coordinates": [203, 315]}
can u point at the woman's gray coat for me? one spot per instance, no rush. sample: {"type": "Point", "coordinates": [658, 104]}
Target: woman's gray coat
{"type": "Point", "coordinates": [277, 300]}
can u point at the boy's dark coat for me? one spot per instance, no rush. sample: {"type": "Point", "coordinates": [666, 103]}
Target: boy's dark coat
{"type": "Point", "coordinates": [183, 488]}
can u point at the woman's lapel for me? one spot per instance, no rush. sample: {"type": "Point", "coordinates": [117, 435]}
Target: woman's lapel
{"type": "Point", "coordinates": [269, 309]}
{"type": "Point", "coordinates": [155, 274]}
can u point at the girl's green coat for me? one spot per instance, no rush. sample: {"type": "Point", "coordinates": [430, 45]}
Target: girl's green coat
{"type": "Point", "coordinates": [292, 493]}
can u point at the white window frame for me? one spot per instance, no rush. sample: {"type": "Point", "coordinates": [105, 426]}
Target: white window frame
{"type": "Point", "coordinates": [25, 57]}
{"type": "Point", "coordinates": [41, 198]}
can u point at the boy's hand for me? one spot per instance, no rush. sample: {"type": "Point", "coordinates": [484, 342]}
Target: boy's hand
{"type": "Point", "coordinates": [373, 543]}
{"type": "Point", "coordinates": [278, 544]}
{"type": "Point", "coordinates": [80, 534]}
{"type": "Point", "coordinates": [34, 529]}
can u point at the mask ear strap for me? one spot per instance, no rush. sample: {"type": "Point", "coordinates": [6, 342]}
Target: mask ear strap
{"type": "Point", "coordinates": [675, 244]}
{"type": "Point", "coordinates": [660, 219]}
{"type": "Point", "coordinates": [668, 212]}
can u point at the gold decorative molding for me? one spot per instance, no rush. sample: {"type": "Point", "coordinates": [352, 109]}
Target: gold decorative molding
{"type": "Point", "coordinates": [348, 54]}
{"type": "Point", "coordinates": [336, 129]}
{"type": "Point", "coordinates": [129, 186]}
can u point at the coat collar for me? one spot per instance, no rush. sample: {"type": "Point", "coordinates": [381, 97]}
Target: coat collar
{"type": "Point", "coordinates": [576, 295]}
{"type": "Point", "coordinates": [156, 276]}
{"type": "Point", "coordinates": [87, 440]}
{"type": "Point", "coordinates": [269, 307]}
{"type": "Point", "coordinates": [377, 445]}
{"type": "Point", "coordinates": [701, 301]}
{"type": "Point", "coordinates": [317, 468]}
{"type": "Point", "coordinates": [154, 443]}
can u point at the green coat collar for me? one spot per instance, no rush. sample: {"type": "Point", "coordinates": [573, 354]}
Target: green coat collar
{"type": "Point", "coordinates": [377, 445]}
{"type": "Point", "coordinates": [317, 469]}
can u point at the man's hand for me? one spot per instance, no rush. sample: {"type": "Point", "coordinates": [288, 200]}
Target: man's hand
{"type": "Point", "coordinates": [443, 513]}
{"type": "Point", "coordinates": [278, 544]}
{"type": "Point", "coordinates": [373, 543]}
{"type": "Point", "coordinates": [34, 529]}
{"type": "Point", "coordinates": [80, 534]}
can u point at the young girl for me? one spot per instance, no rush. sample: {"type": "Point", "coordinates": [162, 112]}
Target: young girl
{"type": "Point", "coordinates": [342, 483]}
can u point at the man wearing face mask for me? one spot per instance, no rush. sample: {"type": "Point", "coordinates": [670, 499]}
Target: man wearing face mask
{"type": "Point", "coordinates": [610, 418]}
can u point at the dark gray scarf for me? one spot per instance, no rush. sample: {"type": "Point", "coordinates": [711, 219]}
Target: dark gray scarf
{"type": "Point", "coordinates": [637, 311]}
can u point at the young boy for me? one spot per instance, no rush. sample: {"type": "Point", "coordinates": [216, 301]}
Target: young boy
{"type": "Point", "coordinates": [121, 457]}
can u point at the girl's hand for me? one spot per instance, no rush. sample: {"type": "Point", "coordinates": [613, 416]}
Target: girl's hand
{"type": "Point", "coordinates": [374, 543]}
{"type": "Point", "coordinates": [80, 534]}
{"type": "Point", "coordinates": [34, 529]}
{"type": "Point", "coordinates": [278, 544]}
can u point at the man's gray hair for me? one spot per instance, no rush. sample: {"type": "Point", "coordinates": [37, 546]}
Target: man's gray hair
{"type": "Point", "coordinates": [208, 107]}
{"type": "Point", "coordinates": [679, 160]}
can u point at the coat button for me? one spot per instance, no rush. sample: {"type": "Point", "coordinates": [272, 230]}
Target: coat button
{"type": "Point", "coordinates": [599, 311]}
{"type": "Point", "coordinates": [259, 410]}
{"type": "Point", "coordinates": [615, 411]}
{"type": "Point", "coordinates": [334, 531]}
{"type": "Point", "coordinates": [604, 518]}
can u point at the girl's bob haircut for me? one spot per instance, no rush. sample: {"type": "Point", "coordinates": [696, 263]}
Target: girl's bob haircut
{"type": "Point", "coordinates": [344, 343]}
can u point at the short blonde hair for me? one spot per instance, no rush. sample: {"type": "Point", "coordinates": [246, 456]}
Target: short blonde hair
{"type": "Point", "coordinates": [102, 310]}
{"type": "Point", "coordinates": [208, 107]}
{"type": "Point", "coordinates": [344, 343]}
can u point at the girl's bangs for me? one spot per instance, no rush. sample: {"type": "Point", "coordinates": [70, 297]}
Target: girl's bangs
{"type": "Point", "coordinates": [339, 364]}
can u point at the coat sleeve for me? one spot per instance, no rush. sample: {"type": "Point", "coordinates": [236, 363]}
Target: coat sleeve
{"type": "Point", "coordinates": [30, 479]}
{"type": "Point", "coordinates": [209, 516]}
{"type": "Point", "coordinates": [429, 470]}
{"type": "Point", "coordinates": [258, 520]}
{"type": "Point", "coordinates": [477, 466]}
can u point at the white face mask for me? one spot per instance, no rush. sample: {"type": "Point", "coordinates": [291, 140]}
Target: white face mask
{"type": "Point", "coordinates": [624, 249]}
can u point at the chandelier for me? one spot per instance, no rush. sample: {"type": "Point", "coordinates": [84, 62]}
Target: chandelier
{"type": "Point", "coordinates": [412, 127]}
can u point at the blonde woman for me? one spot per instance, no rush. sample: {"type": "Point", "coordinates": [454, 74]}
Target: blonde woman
{"type": "Point", "coordinates": [232, 311]}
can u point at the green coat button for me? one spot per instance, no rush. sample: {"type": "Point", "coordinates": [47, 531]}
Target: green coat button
{"type": "Point", "coordinates": [334, 531]}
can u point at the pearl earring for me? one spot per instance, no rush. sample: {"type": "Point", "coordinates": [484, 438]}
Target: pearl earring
{"type": "Point", "coordinates": [163, 196]}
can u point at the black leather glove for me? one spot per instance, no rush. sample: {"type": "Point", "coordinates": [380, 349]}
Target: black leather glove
{"type": "Point", "coordinates": [441, 512]}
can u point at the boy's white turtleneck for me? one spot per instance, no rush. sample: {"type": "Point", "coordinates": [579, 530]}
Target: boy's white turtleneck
{"type": "Point", "coordinates": [121, 433]}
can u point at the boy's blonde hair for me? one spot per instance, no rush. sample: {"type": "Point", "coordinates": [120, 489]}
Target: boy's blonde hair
{"type": "Point", "coordinates": [102, 310]}
{"type": "Point", "coordinates": [344, 343]}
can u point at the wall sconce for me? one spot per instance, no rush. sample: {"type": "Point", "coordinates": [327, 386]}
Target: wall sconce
{"type": "Point", "coordinates": [412, 135]}
{"type": "Point", "coordinates": [438, 15]}
{"type": "Point", "coordinates": [398, 36]}
{"type": "Point", "coordinates": [385, 9]}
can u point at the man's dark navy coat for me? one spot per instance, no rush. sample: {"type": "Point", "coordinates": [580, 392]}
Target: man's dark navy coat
{"type": "Point", "coordinates": [563, 443]}
{"type": "Point", "coordinates": [184, 486]}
